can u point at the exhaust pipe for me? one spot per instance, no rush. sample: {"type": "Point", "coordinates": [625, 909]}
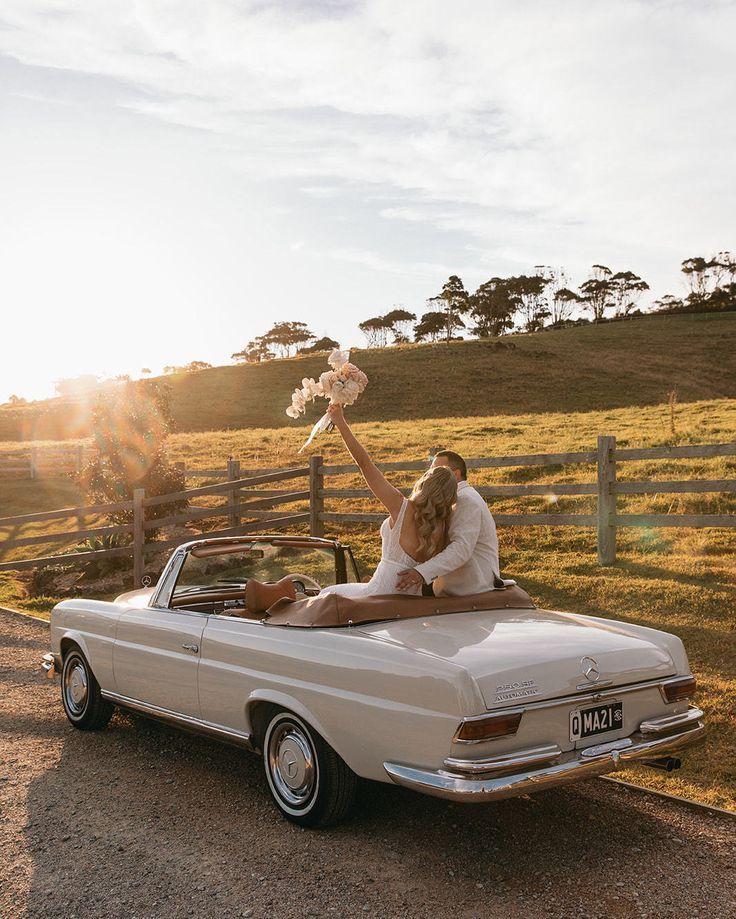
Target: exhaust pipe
{"type": "Point", "coordinates": [668, 763]}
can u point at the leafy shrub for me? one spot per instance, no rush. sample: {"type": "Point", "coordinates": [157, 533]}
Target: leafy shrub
{"type": "Point", "coordinates": [130, 427]}
{"type": "Point", "coordinates": [101, 567]}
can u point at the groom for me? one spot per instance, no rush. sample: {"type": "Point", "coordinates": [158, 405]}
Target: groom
{"type": "Point", "coordinates": [469, 563]}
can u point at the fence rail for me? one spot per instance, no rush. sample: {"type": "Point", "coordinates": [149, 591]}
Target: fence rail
{"type": "Point", "coordinates": [34, 461]}
{"type": "Point", "coordinates": [250, 507]}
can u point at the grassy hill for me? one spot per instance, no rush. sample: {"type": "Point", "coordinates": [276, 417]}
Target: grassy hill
{"type": "Point", "coordinates": [578, 369]}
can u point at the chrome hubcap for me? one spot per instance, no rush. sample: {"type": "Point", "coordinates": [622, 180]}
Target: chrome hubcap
{"type": "Point", "coordinates": [291, 763]}
{"type": "Point", "coordinates": [75, 688]}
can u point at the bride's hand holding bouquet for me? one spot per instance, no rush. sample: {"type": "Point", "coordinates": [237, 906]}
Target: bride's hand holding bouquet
{"type": "Point", "coordinates": [337, 414]}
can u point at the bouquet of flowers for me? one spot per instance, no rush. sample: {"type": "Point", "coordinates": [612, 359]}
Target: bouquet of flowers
{"type": "Point", "coordinates": [341, 385]}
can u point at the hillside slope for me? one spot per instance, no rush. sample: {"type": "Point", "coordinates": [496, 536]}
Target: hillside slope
{"type": "Point", "coordinates": [578, 369]}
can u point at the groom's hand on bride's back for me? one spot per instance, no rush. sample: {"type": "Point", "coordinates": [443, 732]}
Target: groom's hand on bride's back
{"type": "Point", "coordinates": [407, 578]}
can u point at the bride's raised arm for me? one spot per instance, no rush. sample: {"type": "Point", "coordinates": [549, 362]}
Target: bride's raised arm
{"type": "Point", "coordinates": [387, 494]}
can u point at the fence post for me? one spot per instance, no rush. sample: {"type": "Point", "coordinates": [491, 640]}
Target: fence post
{"type": "Point", "coordinates": [316, 501]}
{"type": "Point", "coordinates": [233, 473]}
{"type": "Point", "coordinates": [606, 500]}
{"type": "Point", "coordinates": [80, 457]}
{"type": "Point", "coordinates": [138, 536]}
{"type": "Point", "coordinates": [34, 463]}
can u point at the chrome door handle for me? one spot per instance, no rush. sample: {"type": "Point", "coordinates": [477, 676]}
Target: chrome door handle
{"type": "Point", "coordinates": [188, 647]}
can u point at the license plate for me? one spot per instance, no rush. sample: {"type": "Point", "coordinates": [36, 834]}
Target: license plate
{"type": "Point", "coordinates": [599, 719]}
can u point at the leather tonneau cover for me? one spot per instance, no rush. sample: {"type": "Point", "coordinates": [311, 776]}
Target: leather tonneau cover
{"type": "Point", "coordinates": [333, 611]}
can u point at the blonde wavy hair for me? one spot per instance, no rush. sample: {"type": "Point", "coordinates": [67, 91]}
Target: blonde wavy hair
{"type": "Point", "coordinates": [432, 499]}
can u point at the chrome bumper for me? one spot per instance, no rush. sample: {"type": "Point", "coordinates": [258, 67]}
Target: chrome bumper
{"type": "Point", "coordinates": [479, 780]}
{"type": "Point", "coordinates": [50, 665]}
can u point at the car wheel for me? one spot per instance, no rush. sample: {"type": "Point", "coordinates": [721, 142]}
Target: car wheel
{"type": "Point", "coordinates": [308, 781]}
{"type": "Point", "coordinates": [80, 694]}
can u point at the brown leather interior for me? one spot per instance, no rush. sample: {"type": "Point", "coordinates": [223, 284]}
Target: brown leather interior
{"type": "Point", "coordinates": [333, 611]}
{"type": "Point", "coordinates": [259, 596]}
{"type": "Point", "coordinates": [207, 596]}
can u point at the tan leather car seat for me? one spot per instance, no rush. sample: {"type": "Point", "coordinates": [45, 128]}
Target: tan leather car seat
{"type": "Point", "coordinates": [259, 596]}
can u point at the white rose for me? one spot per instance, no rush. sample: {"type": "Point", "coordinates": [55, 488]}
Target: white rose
{"type": "Point", "coordinates": [325, 381]}
{"type": "Point", "coordinates": [338, 358]}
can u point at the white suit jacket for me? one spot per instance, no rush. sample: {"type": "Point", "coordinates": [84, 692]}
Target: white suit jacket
{"type": "Point", "coordinates": [470, 560]}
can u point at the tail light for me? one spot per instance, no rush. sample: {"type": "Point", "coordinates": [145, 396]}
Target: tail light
{"type": "Point", "coordinates": [487, 727]}
{"type": "Point", "coordinates": [679, 689]}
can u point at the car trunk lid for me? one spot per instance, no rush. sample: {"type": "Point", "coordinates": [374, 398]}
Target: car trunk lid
{"type": "Point", "coordinates": [535, 654]}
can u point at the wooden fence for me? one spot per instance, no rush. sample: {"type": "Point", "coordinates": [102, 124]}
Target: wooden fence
{"type": "Point", "coordinates": [34, 461]}
{"type": "Point", "coordinates": [247, 498]}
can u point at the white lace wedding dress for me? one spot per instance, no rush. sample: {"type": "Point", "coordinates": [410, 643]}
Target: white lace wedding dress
{"type": "Point", "coordinates": [393, 560]}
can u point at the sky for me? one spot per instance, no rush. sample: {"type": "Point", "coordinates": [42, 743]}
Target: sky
{"type": "Point", "coordinates": [176, 176]}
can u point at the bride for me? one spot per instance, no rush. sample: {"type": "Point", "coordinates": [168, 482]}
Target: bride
{"type": "Point", "coordinates": [415, 530]}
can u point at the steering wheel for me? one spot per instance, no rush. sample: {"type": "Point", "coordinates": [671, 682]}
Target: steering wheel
{"type": "Point", "coordinates": [305, 580]}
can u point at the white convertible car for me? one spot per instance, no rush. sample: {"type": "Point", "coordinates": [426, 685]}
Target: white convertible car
{"type": "Point", "coordinates": [470, 698]}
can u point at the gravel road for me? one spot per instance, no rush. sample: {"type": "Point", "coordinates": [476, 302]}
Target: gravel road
{"type": "Point", "coordinates": [143, 821]}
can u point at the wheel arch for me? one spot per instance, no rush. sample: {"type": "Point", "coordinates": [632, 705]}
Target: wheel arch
{"type": "Point", "coordinates": [71, 639]}
{"type": "Point", "coordinates": [262, 703]}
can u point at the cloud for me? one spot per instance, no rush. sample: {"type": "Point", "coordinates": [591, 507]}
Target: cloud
{"type": "Point", "coordinates": [378, 262]}
{"type": "Point", "coordinates": [535, 130]}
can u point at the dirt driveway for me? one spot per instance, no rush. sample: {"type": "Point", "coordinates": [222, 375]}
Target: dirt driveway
{"type": "Point", "coordinates": [143, 821]}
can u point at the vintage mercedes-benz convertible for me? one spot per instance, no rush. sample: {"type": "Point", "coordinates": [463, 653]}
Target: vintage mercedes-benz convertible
{"type": "Point", "coordinates": [471, 698]}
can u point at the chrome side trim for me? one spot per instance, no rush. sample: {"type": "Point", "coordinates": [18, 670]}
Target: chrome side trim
{"type": "Point", "coordinates": [530, 757]}
{"type": "Point", "coordinates": [663, 725]}
{"type": "Point", "coordinates": [571, 767]}
{"type": "Point", "coordinates": [592, 684]}
{"type": "Point", "coordinates": [176, 719]}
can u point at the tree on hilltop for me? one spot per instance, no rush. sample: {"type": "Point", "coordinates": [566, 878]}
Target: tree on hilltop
{"type": "Point", "coordinates": [596, 293]}
{"type": "Point", "coordinates": [562, 305]}
{"type": "Point", "coordinates": [529, 292]}
{"type": "Point", "coordinates": [561, 299]}
{"type": "Point", "coordinates": [453, 302]}
{"type": "Point", "coordinates": [376, 331]}
{"type": "Point", "coordinates": [286, 336]}
{"type": "Point", "coordinates": [433, 326]}
{"type": "Point", "coordinates": [668, 304]}
{"type": "Point", "coordinates": [697, 273]}
{"type": "Point", "coordinates": [723, 268]}
{"type": "Point", "coordinates": [492, 307]}
{"type": "Point", "coordinates": [712, 281]}
{"type": "Point", "coordinates": [626, 288]}
{"type": "Point", "coordinates": [399, 322]}
{"type": "Point", "coordinates": [254, 352]}
{"type": "Point", "coordinates": [322, 344]}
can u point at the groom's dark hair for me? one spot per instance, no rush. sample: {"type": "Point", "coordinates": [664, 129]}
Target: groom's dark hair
{"type": "Point", "coordinates": [454, 461]}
